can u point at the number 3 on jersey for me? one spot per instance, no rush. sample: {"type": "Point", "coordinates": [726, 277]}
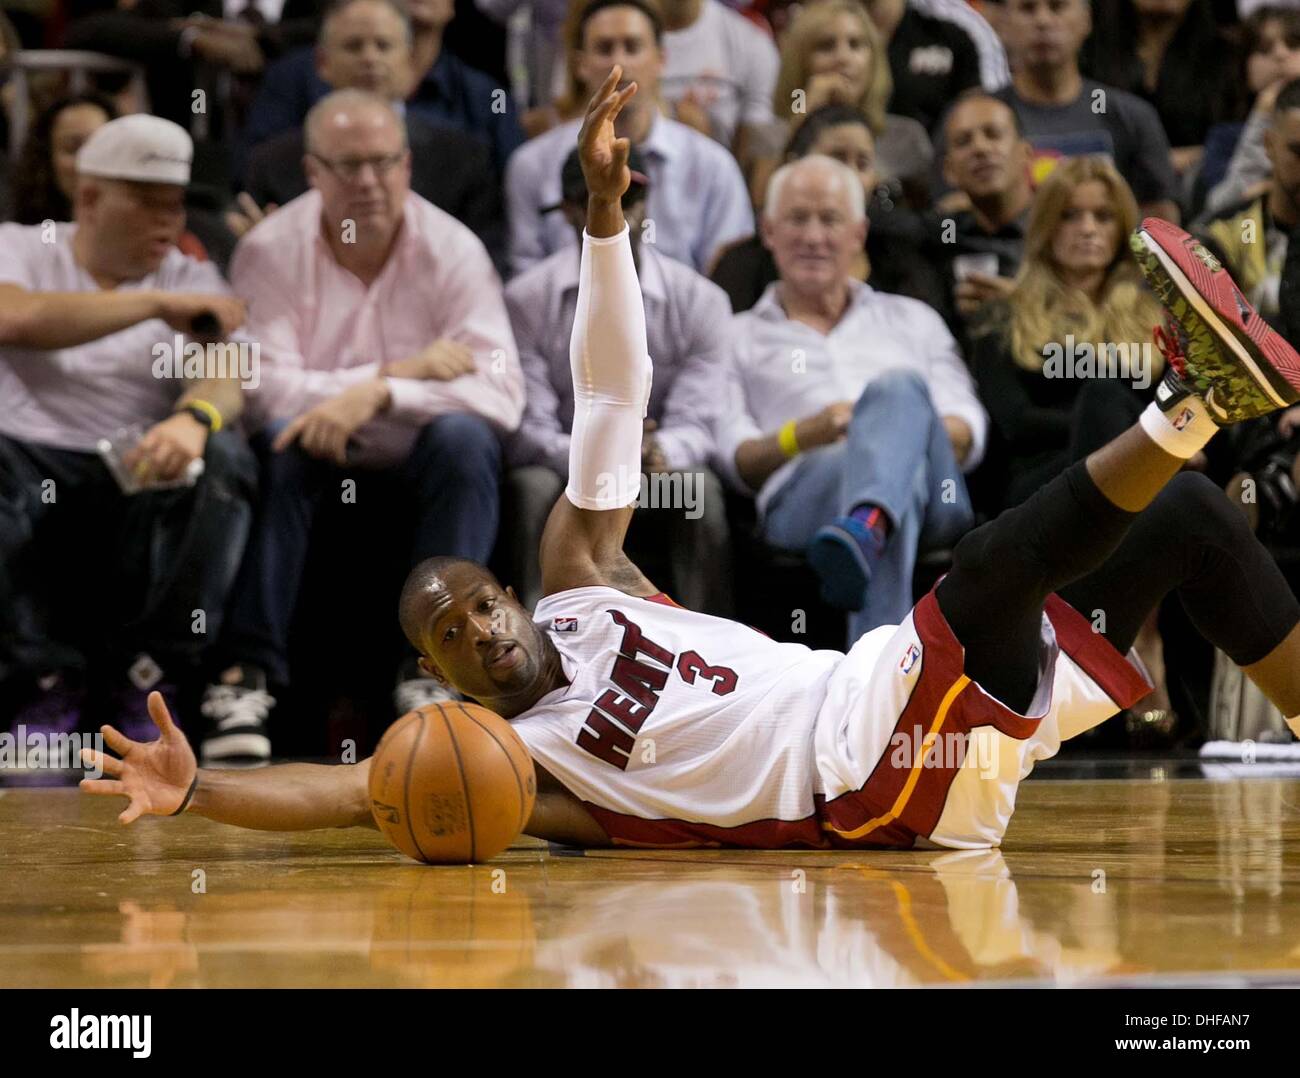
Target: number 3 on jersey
{"type": "Point", "coordinates": [640, 673]}
{"type": "Point", "coordinates": [690, 664]}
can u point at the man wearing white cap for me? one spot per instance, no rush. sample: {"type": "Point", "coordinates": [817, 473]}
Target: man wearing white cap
{"type": "Point", "coordinates": [94, 318]}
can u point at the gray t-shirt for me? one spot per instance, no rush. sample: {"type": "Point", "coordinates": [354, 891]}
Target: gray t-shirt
{"type": "Point", "coordinates": [1106, 121]}
{"type": "Point", "coordinates": [727, 64]}
{"type": "Point", "coordinates": [71, 397]}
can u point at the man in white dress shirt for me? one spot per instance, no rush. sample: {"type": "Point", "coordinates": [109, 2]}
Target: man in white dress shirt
{"type": "Point", "coordinates": [850, 412]}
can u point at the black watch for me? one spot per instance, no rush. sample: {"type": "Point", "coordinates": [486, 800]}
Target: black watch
{"type": "Point", "coordinates": [198, 413]}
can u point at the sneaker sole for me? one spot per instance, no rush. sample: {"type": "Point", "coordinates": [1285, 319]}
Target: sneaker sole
{"type": "Point", "coordinates": [237, 747]}
{"type": "Point", "coordinates": [841, 566]}
{"type": "Point", "coordinates": [1208, 337]}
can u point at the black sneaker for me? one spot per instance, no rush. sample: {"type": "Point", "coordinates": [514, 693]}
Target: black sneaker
{"type": "Point", "coordinates": [237, 716]}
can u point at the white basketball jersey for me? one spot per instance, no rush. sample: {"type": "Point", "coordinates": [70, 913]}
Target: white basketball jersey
{"type": "Point", "coordinates": [678, 728]}
{"type": "Point", "coordinates": [676, 716]}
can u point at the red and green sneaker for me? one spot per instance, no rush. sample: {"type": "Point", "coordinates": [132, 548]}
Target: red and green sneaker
{"type": "Point", "coordinates": [1235, 362]}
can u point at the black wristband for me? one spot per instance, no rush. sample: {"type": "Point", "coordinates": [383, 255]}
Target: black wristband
{"type": "Point", "coordinates": [203, 418]}
{"type": "Point", "coordinates": [189, 795]}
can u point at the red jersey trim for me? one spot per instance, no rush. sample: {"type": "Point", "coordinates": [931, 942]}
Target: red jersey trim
{"type": "Point", "coordinates": [1097, 657]}
{"type": "Point", "coordinates": [624, 830]}
{"type": "Point", "coordinates": [663, 598]}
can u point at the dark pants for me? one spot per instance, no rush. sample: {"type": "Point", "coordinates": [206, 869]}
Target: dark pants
{"type": "Point", "coordinates": [450, 480]}
{"type": "Point", "coordinates": [147, 573]}
{"type": "Point", "coordinates": [1113, 567]}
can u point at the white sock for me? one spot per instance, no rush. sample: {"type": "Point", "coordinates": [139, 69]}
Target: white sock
{"type": "Point", "coordinates": [1194, 427]}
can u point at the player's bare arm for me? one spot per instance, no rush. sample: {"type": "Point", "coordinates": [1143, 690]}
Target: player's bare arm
{"type": "Point", "coordinates": [584, 546]}
{"type": "Point", "coordinates": [162, 778]}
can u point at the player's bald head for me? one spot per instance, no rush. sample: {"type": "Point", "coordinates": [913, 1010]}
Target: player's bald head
{"type": "Point", "coordinates": [432, 580]}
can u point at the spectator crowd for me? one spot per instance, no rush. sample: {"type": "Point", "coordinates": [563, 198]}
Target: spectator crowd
{"type": "Point", "coordinates": [287, 286]}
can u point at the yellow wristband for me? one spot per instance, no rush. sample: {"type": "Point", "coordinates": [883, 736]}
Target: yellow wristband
{"type": "Point", "coordinates": [786, 440]}
{"type": "Point", "coordinates": [207, 408]}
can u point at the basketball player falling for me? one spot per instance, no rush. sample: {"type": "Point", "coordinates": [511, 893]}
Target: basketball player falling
{"type": "Point", "coordinates": [658, 726]}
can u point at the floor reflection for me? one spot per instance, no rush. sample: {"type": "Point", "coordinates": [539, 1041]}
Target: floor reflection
{"type": "Point", "coordinates": [1099, 881]}
{"type": "Point", "coordinates": [946, 919]}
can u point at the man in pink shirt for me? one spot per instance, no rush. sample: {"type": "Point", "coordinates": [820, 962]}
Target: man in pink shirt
{"type": "Point", "coordinates": [386, 346]}
{"type": "Point", "coordinates": [97, 318]}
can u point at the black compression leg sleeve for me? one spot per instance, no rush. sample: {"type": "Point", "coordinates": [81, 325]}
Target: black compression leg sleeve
{"type": "Point", "coordinates": [1004, 570]}
{"type": "Point", "coordinates": [1192, 540]}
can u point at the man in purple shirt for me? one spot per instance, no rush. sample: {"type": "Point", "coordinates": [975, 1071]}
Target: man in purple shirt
{"type": "Point", "coordinates": [99, 320]}
{"type": "Point", "coordinates": [687, 318]}
{"type": "Point", "coordinates": [386, 348]}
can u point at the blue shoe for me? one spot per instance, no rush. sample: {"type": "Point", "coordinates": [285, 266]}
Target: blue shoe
{"type": "Point", "coordinates": [842, 555]}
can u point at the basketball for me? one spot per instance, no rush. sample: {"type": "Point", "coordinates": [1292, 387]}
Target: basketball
{"type": "Point", "coordinates": [451, 784]}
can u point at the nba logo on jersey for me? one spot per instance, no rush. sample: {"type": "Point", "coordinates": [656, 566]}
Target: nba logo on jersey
{"type": "Point", "coordinates": [1183, 418]}
{"type": "Point", "coordinates": [909, 659]}
{"type": "Point", "coordinates": [565, 625]}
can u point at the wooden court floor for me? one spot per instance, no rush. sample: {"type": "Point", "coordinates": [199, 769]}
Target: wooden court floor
{"type": "Point", "coordinates": [1131, 882]}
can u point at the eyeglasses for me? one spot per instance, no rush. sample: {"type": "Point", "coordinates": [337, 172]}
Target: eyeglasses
{"type": "Point", "coordinates": [349, 169]}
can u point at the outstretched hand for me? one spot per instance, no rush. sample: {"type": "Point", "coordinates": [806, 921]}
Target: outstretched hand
{"type": "Point", "coordinates": [603, 154]}
{"type": "Point", "coordinates": [155, 775]}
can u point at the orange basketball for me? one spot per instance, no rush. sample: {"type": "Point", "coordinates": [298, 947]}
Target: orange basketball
{"type": "Point", "coordinates": [451, 784]}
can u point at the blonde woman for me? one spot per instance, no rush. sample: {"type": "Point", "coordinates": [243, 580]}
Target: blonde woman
{"type": "Point", "coordinates": [1077, 285]}
{"type": "Point", "coordinates": [832, 53]}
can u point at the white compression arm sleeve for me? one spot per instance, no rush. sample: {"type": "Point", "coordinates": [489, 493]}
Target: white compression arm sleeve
{"type": "Point", "coordinates": [611, 377]}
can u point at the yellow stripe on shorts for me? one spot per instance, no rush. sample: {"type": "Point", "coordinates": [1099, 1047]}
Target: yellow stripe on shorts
{"type": "Point", "coordinates": [905, 794]}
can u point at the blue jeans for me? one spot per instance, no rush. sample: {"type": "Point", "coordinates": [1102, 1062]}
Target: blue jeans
{"type": "Point", "coordinates": [896, 455]}
{"type": "Point", "coordinates": [451, 476]}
